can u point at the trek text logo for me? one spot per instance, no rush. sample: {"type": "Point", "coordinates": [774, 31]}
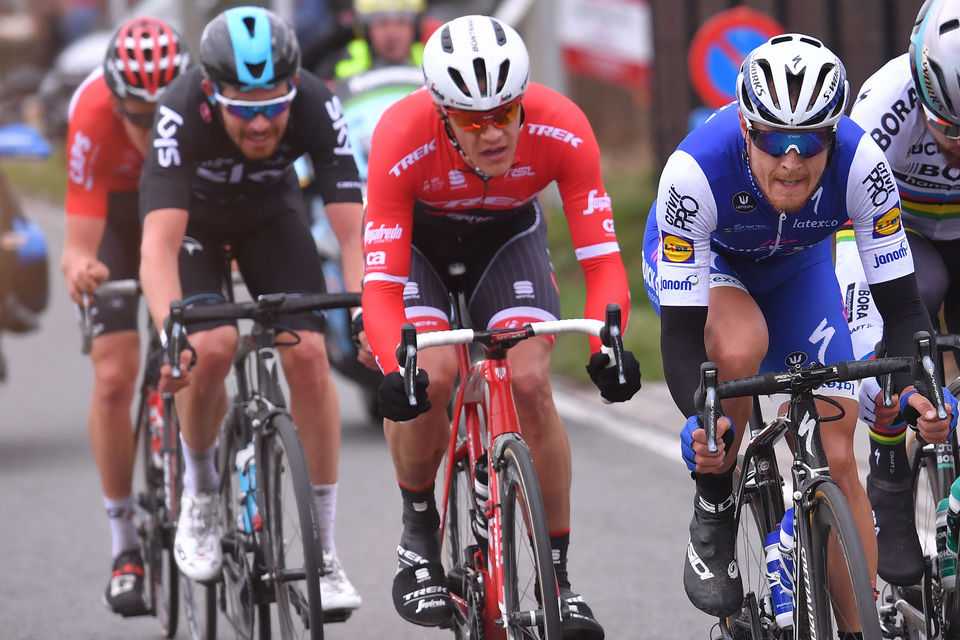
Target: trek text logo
{"type": "Point", "coordinates": [412, 158]}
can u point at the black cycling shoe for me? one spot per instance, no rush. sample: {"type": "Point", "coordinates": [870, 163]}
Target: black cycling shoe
{"type": "Point", "coordinates": [420, 593]}
{"type": "Point", "coordinates": [900, 556]}
{"type": "Point", "coordinates": [124, 593]}
{"type": "Point", "coordinates": [577, 621]}
{"type": "Point", "coordinates": [711, 576]}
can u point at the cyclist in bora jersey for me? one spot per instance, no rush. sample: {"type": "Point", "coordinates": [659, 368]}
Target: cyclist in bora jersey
{"type": "Point", "coordinates": [454, 172]}
{"type": "Point", "coordinates": [220, 171]}
{"type": "Point", "coordinates": [737, 259]}
{"type": "Point", "coordinates": [110, 117]}
{"type": "Point", "coordinates": [911, 108]}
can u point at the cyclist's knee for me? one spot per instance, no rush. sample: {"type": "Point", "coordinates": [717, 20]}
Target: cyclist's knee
{"type": "Point", "coordinates": [215, 350]}
{"type": "Point", "coordinates": [531, 386]}
{"type": "Point", "coordinates": [306, 360]}
{"type": "Point", "coordinates": [737, 358]}
{"type": "Point", "coordinates": [115, 382]}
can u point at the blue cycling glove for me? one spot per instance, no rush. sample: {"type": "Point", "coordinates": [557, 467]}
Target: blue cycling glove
{"type": "Point", "coordinates": [910, 414]}
{"type": "Point", "coordinates": [686, 441]}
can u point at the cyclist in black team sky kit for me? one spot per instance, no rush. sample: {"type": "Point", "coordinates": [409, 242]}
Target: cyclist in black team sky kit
{"type": "Point", "coordinates": [219, 170]}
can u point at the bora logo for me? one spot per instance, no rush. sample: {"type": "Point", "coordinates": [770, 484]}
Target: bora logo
{"type": "Point", "coordinates": [677, 249]}
{"type": "Point", "coordinates": [887, 224]}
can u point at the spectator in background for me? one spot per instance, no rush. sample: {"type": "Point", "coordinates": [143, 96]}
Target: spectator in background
{"type": "Point", "coordinates": [388, 33]}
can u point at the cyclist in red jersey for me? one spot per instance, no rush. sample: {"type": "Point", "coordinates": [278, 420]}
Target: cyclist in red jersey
{"type": "Point", "coordinates": [110, 118]}
{"type": "Point", "coordinates": [454, 172]}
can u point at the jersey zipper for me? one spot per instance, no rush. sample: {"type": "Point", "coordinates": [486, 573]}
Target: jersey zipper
{"type": "Point", "coordinates": [776, 245]}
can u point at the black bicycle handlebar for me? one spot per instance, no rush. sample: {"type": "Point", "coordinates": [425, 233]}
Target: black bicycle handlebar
{"type": "Point", "coordinates": [710, 392]}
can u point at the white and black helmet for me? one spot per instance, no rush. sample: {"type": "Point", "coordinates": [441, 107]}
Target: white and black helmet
{"type": "Point", "coordinates": [763, 86]}
{"type": "Point", "coordinates": [475, 63]}
{"type": "Point", "coordinates": [935, 57]}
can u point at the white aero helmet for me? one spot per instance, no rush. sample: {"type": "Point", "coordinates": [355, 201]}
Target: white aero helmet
{"type": "Point", "coordinates": [770, 70]}
{"type": "Point", "coordinates": [935, 57]}
{"type": "Point", "coordinates": [475, 63]}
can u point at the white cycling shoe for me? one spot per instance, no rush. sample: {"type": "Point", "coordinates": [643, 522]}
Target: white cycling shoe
{"type": "Point", "coordinates": [336, 592]}
{"type": "Point", "coordinates": [197, 543]}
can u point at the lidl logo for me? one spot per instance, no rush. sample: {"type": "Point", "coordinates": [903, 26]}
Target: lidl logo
{"type": "Point", "coordinates": [677, 249]}
{"type": "Point", "coordinates": [887, 224]}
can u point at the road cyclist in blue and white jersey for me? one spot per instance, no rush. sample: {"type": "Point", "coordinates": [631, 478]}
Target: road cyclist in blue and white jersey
{"type": "Point", "coordinates": [737, 261]}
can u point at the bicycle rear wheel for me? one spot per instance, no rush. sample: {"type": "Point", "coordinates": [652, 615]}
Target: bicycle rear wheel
{"type": "Point", "coordinates": [162, 578]}
{"type": "Point", "coordinates": [527, 558]}
{"type": "Point", "coordinates": [460, 552]}
{"type": "Point", "coordinates": [293, 554]}
{"type": "Point", "coordinates": [829, 516]}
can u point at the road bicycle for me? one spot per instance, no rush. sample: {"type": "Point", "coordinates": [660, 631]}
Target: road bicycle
{"type": "Point", "coordinates": [927, 610]}
{"type": "Point", "coordinates": [157, 503]}
{"type": "Point", "coordinates": [823, 521]}
{"type": "Point", "coordinates": [271, 546]}
{"type": "Point", "coordinates": [496, 543]}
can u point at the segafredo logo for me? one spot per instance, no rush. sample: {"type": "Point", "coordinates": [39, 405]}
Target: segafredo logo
{"type": "Point", "coordinates": [382, 233]}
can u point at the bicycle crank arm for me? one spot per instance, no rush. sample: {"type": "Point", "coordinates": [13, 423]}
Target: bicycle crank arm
{"type": "Point", "coordinates": [528, 619]}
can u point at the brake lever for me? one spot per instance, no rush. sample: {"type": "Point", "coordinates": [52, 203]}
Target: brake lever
{"type": "Point", "coordinates": [612, 339]}
{"type": "Point", "coordinates": [407, 359]}
{"type": "Point", "coordinates": [705, 399]}
{"type": "Point", "coordinates": [174, 337]}
{"type": "Point", "coordinates": [928, 372]}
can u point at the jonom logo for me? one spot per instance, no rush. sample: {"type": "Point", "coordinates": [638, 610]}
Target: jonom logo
{"type": "Point", "coordinates": [744, 202]}
{"type": "Point", "coordinates": [890, 256]}
{"type": "Point", "coordinates": [686, 284]}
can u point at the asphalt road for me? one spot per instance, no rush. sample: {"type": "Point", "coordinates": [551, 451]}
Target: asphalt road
{"type": "Point", "coordinates": [632, 501]}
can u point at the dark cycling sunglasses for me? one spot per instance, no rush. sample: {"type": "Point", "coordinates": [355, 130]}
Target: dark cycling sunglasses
{"type": "Point", "coordinates": [941, 126]}
{"type": "Point", "coordinates": [250, 109]}
{"type": "Point", "coordinates": [139, 120]}
{"type": "Point", "coordinates": [778, 143]}
{"type": "Point", "coordinates": [477, 121]}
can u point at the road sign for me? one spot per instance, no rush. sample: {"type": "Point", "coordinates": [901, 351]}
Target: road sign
{"type": "Point", "coordinates": [719, 47]}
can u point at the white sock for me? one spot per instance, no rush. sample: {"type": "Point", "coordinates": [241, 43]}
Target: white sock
{"type": "Point", "coordinates": [325, 498]}
{"type": "Point", "coordinates": [122, 530]}
{"type": "Point", "coordinates": [199, 469]}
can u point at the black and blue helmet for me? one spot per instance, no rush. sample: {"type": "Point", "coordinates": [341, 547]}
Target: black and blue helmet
{"type": "Point", "coordinates": [249, 48]}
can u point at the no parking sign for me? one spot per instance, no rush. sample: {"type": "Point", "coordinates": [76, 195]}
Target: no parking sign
{"type": "Point", "coordinates": [719, 47]}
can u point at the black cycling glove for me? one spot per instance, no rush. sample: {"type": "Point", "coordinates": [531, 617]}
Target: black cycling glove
{"type": "Point", "coordinates": [394, 404]}
{"type": "Point", "coordinates": [356, 326]}
{"type": "Point", "coordinates": [606, 377]}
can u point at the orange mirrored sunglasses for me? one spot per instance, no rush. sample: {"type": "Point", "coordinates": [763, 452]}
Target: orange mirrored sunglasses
{"type": "Point", "coordinates": [477, 121]}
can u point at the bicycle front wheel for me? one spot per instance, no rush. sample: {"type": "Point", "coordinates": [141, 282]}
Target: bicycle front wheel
{"type": "Point", "coordinates": [827, 524]}
{"type": "Point", "coordinates": [460, 551]}
{"type": "Point", "coordinates": [293, 555]}
{"type": "Point", "coordinates": [532, 606]}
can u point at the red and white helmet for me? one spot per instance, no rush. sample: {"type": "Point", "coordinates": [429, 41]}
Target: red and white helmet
{"type": "Point", "coordinates": [143, 57]}
{"type": "Point", "coordinates": [475, 63]}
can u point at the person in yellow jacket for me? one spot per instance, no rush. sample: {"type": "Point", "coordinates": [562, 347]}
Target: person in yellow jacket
{"type": "Point", "coordinates": [389, 32]}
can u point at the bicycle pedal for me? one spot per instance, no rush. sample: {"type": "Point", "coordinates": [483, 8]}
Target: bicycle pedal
{"type": "Point", "coordinates": [337, 615]}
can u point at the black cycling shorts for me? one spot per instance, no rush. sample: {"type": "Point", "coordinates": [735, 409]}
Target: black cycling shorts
{"type": "Point", "coordinates": [120, 251]}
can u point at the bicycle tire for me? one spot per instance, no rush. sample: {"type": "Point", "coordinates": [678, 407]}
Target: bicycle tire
{"type": "Point", "coordinates": [761, 510]}
{"type": "Point", "coordinates": [829, 514]}
{"type": "Point", "coordinates": [460, 549]}
{"type": "Point", "coordinates": [526, 539]}
{"type": "Point", "coordinates": [237, 590]}
{"type": "Point", "coordinates": [931, 483]}
{"type": "Point", "coordinates": [294, 555]}
{"type": "Point", "coordinates": [162, 578]}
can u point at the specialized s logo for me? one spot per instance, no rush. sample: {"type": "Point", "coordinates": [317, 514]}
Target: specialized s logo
{"type": "Point", "coordinates": [165, 141]}
{"type": "Point", "coordinates": [595, 203]}
{"type": "Point", "coordinates": [339, 122]}
{"type": "Point", "coordinates": [887, 224]}
{"type": "Point", "coordinates": [677, 249]}
{"type": "Point", "coordinates": [744, 202]}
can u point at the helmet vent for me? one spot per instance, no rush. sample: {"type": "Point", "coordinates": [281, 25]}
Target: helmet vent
{"type": "Point", "coordinates": [504, 72]}
{"type": "Point", "coordinates": [825, 71]}
{"type": "Point", "coordinates": [250, 22]}
{"type": "Point", "coordinates": [446, 42]}
{"type": "Point", "coordinates": [941, 82]}
{"type": "Point", "coordinates": [499, 33]}
{"type": "Point", "coordinates": [458, 80]}
{"type": "Point", "coordinates": [480, 70]}
{"type": "Point", "coordinates": [812, 42]}
{"type": "Point", "coordinates": [949, 25]}
{"type": "Point", "coordinates": [779, 39]}
{"type": "Point", "coordinates": [256, 68]}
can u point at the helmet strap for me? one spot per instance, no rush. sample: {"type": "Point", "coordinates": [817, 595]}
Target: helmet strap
{"type": "Point", "coordinates": [456, 145]}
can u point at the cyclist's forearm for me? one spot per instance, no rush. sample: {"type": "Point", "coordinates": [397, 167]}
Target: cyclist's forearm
{"type": "Point", "coordinates": [159, 267]}
{"type": "Point", "coordinates": [683, 350]}
{"type": "Point", "coordinates": [898, 302]}
{"type": "Point", "coordinates": [346, 220]}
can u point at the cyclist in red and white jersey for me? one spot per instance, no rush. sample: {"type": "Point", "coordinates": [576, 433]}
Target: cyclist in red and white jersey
{"type": "Point", "coordinates": [454, 173]}
{"type": "Point", "coordinates": [109, 128]}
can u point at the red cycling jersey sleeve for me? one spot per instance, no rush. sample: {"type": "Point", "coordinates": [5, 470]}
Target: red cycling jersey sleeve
{"type": "Point", "coordinates": [412, 160]}
{"type": "Point", "coordinates": [100, 157]}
